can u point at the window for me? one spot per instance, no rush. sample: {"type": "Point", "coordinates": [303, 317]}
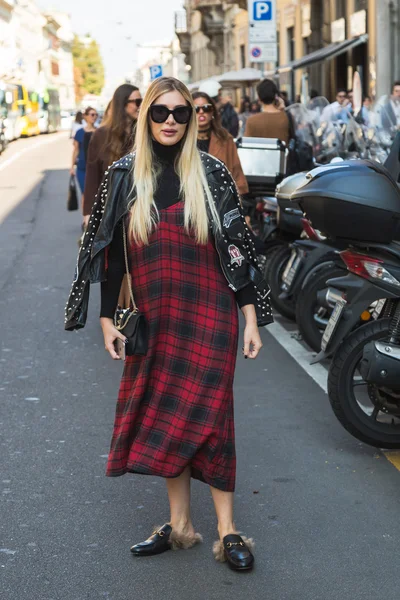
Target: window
{"type": "Point", "coordinates": [360, 5]}
{"type": "Point", "coordinates": [340, 9]}
{"type": "Point", "coordinates": [290, 44]}
{"type": "Point", "coordinates": [306, 46]}
{"type": "Point", "coordinates": [278, 46]}
{"type": "Point", "coordinates": [242, 56]}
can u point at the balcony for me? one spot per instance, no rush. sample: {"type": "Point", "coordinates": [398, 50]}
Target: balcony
{"type": "Point", "coordinates": [212, 25]}
{"type": "Point", "coordinates": [181, 30]}
{"type": "Point", "coordinates": [240, 3]}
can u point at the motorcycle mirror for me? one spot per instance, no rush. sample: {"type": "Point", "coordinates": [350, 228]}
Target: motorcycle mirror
{"type": "Point", "coordinates": [357, 93]}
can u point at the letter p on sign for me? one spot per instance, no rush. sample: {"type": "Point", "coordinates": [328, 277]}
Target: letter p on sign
{"type": "Point", "coordinates": [262, 10]}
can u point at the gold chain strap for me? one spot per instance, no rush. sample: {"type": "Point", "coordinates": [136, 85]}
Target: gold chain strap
{"type": "Point", "coordinates": [128, 275]}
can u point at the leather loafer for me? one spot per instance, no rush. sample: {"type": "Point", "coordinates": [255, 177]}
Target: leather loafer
{"type": "Point", "coordinates": [237, 553]}
{"type": "Point", "coordinates": [157, 543]}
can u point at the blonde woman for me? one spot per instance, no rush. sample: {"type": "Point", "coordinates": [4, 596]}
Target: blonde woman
{"type": "Point", "coordinates": [191, 257]}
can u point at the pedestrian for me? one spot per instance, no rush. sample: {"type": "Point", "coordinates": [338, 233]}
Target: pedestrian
{"type": "Point", "coordinates": [112, 140]}
{"type": "Point", "coordinates": [255, 107]}
{"type": "Point", "coordinates": [77, 124]}
{"type": "Point", "coordinates": [350, 97]}
{"type": "Point", "coordinates": [188, 252]}
{"type": "Point", "coordinates": [78, 154]}
{"type": "Point", "coordinates": [213, 138]}
{"type": "Point", "coordinates": [273, 121]}
{"type": "Point", "coordinates": [229, 118]}
{"type": "Point", "coordinates": [244, 113]}
{"type": "Point", "coordinates": [285, 97]}
{"type": "Point", "coordinates": [314, 102]}
{"type": "Point", "coordinates": [366, 111]}
{"type": "Point", "coordinates": [339, 110]}
{"type": "Point", "coordinates": [390, 113]}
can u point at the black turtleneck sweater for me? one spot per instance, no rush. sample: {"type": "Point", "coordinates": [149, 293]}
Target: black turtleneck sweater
{"type": "Point", "coordinates": [167, 194]}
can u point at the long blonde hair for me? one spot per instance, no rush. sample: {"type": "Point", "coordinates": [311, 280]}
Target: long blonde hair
{"type": "Point", "coordinates": [194, 187]}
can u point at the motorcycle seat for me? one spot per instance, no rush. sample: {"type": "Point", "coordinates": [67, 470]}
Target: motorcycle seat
{"type": "Point", "coordinates": [393, 248]}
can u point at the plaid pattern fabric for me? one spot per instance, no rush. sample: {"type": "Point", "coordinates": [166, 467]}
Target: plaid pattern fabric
{"type": "Point", "coordinates": [175, 405]}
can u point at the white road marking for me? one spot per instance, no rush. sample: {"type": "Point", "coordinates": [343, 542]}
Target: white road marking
{"type": "Point", "coordinates": [302, 356]}
{"type": "Point", "coordinates": [29, 148]}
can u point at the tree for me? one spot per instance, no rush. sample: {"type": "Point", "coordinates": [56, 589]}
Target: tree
{"type": "Point", "coordinates": [88, 67]}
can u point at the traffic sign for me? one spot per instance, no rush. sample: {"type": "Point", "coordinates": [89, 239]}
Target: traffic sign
{"type": "Point", "coordinates": [156, 71]}
{"type": "Point", "coordinates": [256, 52]}
{"type": "Point", "coordinates": [262, 10]}
{"type": "Point", "coordinates": [262, 30]}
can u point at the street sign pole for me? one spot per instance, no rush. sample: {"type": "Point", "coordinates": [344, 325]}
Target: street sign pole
{"type": "Point", "coordinates": [262, 31]}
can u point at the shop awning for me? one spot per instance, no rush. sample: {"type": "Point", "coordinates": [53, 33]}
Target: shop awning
{"type": "Point", "coordinates": [326, 53]}
{"type": "Point", "coordinates": [245, 76]}
{"type": "Point", "coordinates": [193, 87]}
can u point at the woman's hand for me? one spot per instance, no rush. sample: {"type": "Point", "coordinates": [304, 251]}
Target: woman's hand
{"type": "Point", "coordinates": [252, 340]}
{"type": "Point", "coordinates": [110, 334]}
{"type": "Point", "coordinates": [72, 171]}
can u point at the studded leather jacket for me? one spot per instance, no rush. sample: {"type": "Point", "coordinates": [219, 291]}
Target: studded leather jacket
{"type": "Point", "coordinates": [233, 243]}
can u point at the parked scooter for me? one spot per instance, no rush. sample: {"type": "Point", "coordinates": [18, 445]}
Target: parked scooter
{"type": "Point", "coordinates": [263, 162]}
{"type": "Point", "coordinates": [359, 203]}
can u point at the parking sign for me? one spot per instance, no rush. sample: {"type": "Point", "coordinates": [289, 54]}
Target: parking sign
{"type": "Point", "coordinates": [262, 30]}
{"type": "Point", "coordinates": [262, 10]}
{"type": "Point", "coordinates": [156, 71]}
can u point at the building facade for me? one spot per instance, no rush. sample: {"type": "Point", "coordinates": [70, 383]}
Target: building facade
{"type": "Point", "coordinates": [321, 43]}
{"type": "Point", "coordinates": [208, 36]}
{"type": "Point", "coordinates": [166, 54]}
{"type": "Point", "coordinates": [35, 49]}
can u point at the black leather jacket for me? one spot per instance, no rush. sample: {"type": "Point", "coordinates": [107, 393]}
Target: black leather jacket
{"type": "Point", "coordinates": [234, 243]}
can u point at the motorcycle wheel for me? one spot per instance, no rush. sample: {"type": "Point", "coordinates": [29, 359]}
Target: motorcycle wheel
{"type": "Point", "coordinates": [311, 318]}
{"type": "Point", "coordinates": [354, 402]}
{"type": "Point", "coordinates": [273, 274]}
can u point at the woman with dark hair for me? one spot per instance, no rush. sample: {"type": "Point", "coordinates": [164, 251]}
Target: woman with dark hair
{"type": "Point", "coordinates": [77, 124]}
{"type": "Point", "coordinates": [216, 140]}
{"type": "Point", "coordinates": [111, 141]}
{"type": "Point", "coordinates": [255, 107]}
{"type": "Point", "coordinates": [78, 154]}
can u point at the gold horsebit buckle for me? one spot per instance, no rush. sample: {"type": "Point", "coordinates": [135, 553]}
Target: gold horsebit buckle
{"type": "Point", "coordinates": [160, 532]}
{"type": "Point", "coordinates": [230, 544]}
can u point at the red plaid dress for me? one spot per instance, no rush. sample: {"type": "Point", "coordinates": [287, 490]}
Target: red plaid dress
{"type": "Point", "coordinates": [175, 405]}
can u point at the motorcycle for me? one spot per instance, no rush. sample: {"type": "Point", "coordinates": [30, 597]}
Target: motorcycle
{"type": "Point", "coordinates": [360, 204]}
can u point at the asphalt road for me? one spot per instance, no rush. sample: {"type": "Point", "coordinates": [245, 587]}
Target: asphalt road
{"type": "Point", "coordinates": [322, 507]}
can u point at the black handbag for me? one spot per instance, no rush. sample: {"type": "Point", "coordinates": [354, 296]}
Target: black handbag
{"type": "Point", "coordinates": [130, 321]}
{"type": "Point", "coordinates": [72, 202]}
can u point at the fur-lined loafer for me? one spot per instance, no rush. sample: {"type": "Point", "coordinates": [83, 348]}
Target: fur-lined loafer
{"type": "Point", "coordinates": [157, 543]}
{"type": "Point", "coordinates": [236, 551]}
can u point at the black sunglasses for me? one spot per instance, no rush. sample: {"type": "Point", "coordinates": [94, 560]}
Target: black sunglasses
{"type": "Point", "coordinates": [93, 115]}
{"type": "Point", "coordinates": [160, 113]}
{"type": "Point", "coordinates": [137, 101]}
{"type": "Point", "coordinates": [206, 108]}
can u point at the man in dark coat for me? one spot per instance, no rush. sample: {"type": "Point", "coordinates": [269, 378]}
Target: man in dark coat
{"type": "Point", "coordinates": [229, 117]}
